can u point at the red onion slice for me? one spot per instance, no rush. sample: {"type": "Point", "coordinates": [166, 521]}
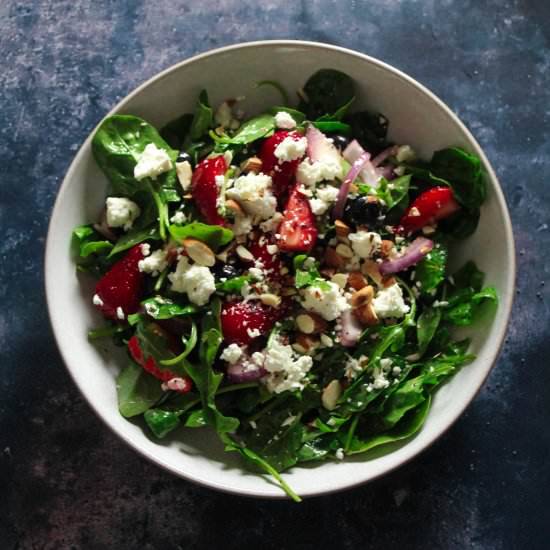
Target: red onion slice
{"type": "Point", "coordinates": [244, 371]}
{"type": "Point", "coordinates": [415, 252]}
{"type": "Point", "coordinates": [356, 167]}
{"type": "Point", "coordinates": [319, 148]}
{"type": "Point", "coordinates": [381, 157]}
{"type": "Point", "coordinates": [351, 329]}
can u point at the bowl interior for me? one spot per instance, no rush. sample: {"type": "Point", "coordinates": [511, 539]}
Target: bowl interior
{"type": "Point", "coordinates": [416, 117]}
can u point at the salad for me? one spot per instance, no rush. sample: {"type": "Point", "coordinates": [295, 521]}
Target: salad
{"type": "Point", "coordinates": [282, 279]}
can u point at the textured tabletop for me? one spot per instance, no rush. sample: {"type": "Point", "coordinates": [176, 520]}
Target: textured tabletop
{"type": "Point", "coordinates": [67, 482]}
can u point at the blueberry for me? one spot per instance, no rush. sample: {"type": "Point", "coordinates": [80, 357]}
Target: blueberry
{"type": "Point", "coordinates": [340, 142]}
{"type": "Point", "coordinates": [364, 210]}
{"type": "Point", "coordinates": [183, 156]}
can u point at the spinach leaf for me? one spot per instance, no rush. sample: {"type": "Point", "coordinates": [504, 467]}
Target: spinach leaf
{"type": "Point", "coordinates": [430, 271]}
{"type": "Point", "coordinates": [159, 307]}
{"type": "Point", "coordinates": [161, 422]}
{"type": "Point", "coordinates": [333, 127]}
{"type": "Point", "coordinates": [407, 427]}
{"type": "Point", "coordinates": [394, 191]}
{"type": "Point", "coordinates": [175, 132]}
{"type": "Point", "coordinates": [135, 236]}
{"type": "Point", "coordinates": [369, 129]}
{"type": "Point", "coordinates": [233, 285]}
{"type": "Point", "coordinates": [137, 391]}
{"type": "Point", "coordinates": [256, 128]}
{"type": "Point", "coordinates": [298, 116]}
{"type": "Point", "coordinates": [117, 146]}
{"type": "Point", "coordinates": [90, 250]}
{"type": "Point", "coordinates": [325, 92]}
{"type": "Point", "coordinates": [214, 236]}
{"type": "Point", "coordinates": [461, 224]}
{"type": "Point", "coordinates": [426, 327]}
{"type": "Point", "coordinates": [201, 123]}
{"type": "Point", "coordinates": [468, 276]}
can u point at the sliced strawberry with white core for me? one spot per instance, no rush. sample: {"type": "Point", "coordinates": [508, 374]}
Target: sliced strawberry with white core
{"type": "Point", "coordinates": [205, 188]}
{"type": "Point", "coordinates": [320, 148]}
{"type": "Point", "coordinates": [297, 232]}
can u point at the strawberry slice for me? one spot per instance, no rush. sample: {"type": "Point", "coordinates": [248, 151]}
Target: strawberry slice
{"type": "Point", "coordinates": [205, 190]}
{"type": "Point", "coordinates": [265, 251]}
{"type": "Point", "coordinates": [282, 173]}
{"type": "Point", "coordinates": [432, 205]}
{"type": "Point", "coordinates": [119, 291]}
{"type": "Point", "coordinates": [297, 231]}
{"type": "Point", "coordinates": [242, 322]}
{"type": "Point", "coordinates": [183, 384]}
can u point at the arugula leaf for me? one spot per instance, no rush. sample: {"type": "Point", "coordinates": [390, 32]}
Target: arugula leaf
{"type": "Point", "coordinates": [308, 276]}
{"type": "Point", "coordinates": [426, 327]}
{"type": "Point", "coordinates": [430, 271]}
{"type": "Point", "coordinates": [137, 391]}
{"type": "Point", "coordinates": [201, 123]}
{"type": "Point", "coordinates": [159, 307]}
{"type": "Point", "coordinates": [214, 236]}
{"type": "Point", "coordinates": [465, 311]}
{"type": "Point", "coordinates": [325, 92]}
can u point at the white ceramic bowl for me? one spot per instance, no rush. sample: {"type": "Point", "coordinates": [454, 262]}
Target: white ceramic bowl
{"type": "Point", "coordinates": [416, 117]}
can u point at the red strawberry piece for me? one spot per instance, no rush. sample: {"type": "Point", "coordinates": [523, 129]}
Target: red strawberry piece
{"type": "Point", "coordinates": [183, 384]}
{"type": "Point", "coordinates": [242, 322]}
{"type": "Point", "coordinates": [122, 286]}
{"type": "Point", "coordinates": [205, 190]}
{"type": "Point", "coordinates": [282, 173]}
{"type": "Point", "coordinates": [432, 205]}
{"type": "Point", "coordinates": [263, 251]}
{"type": "Point", "coordinates": [297, 231]}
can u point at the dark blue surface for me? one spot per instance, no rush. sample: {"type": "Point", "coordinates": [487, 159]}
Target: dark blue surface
{"type": "Point", "coordinates": [67, 482]}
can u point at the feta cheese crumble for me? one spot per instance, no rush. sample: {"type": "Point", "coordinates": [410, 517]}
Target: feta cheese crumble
{"type": "Point", "coordinates": [232, 353]}
{"type": "Point", "coordinates": [97, 301]}
{"type": "Point", "coordinates": [310, 173]}
{"type": "Point", "coordinates": [365, 243]}
{"type": "Point", "coordinates": [121, 212]}
{"type": "Point", "coordinates": [178, 217]}
{"type": "Point", "coordinates": [195, 281]}
{"type": "Point", "coordinates": [291, 149]}
{"type": "Point", "coordinates": [152, 163]}
{"type": "Point", "coordinates": [120, 313]}
{"type": "Point", "coordinates": [285, 369]}
{"type": "Point", "coordinates": [389, 302]}
{"type": "Point", "coordinates": [253, 193]}
{"type": "Point", "coordinates": [284, 120]}
{"type": "Point", "coordinates": [327, 300]}
{"type": "Point", "coordinates": [322, 202]}
{"type": "Point", "coordinates": [185, 174]}
{"type": "Point", "coordinates": [154, 264]}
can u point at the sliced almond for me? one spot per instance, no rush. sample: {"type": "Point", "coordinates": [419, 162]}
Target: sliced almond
{"type": "Point", "coordinates": [385, 248]}
{"type": "Point", "coordinates": [334, 260]}
{"type": "Point", "coordinates": [342, 230]}
{"type": "Point", "coordinates": [199, 252]}
{"type": "Point", "coordinates": [362, 297]}
{"type": "Point", "coordinates": [234, 207]}
{"type": "Point", "coordinates": [244, 253]}
{"type": "Point", "coordinates": [252, 164]}
{"type": "Point", "coordinates": [310, 323]}
{"type": "Point", "coordinates": [341, 279]}
{"type": "Point", "coordinates": [270, 299]}
{"type": "Point", "coordinates": [308, 342]}
{"type": "Point", "coordinates": [357, 280]}
{"type": "Point", "coordinates": [370, 268]}
{"type": "Point", "coordinates": [288, 291]}
{"type": "Point", "coordinates": [344, 251]}
{"type": "Point", "coordinates": [331, 394]}
{"type": "Point", "coordinates": [366, 315]}
{"type": "Point", "coordinates": [184, 173]}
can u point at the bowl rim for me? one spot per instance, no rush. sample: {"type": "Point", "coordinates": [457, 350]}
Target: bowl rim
{"type": "Point", "coordinates": [496, 343]}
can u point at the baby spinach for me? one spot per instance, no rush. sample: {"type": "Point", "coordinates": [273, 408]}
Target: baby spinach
{"type": "Point", "coordinates": [175, 132]}
{"type": "Point", "coordinates": [159, 307]}
{"type": "Point", "coordinates": [137, 391]}
{"type": "Point", "coordinates": [394, 191]}
{"type": "Point", "coordinates": [214, 236]}
{"type": "Point", "coordinates": [135, 236]}
{"type": "Point", "coordinates": [233, 285]}
{"type": "Point", "coordinates": [369, 129]}
{"type": "Point", "coordinates": [426, 327]}
{"type": "Point", "coordinates": [201, 123]}
{"type": "Point", "coordinates": [90, 250]}
{"type": "Point", "coordinates": [430, 271]}
{"type": "Point", "coordinates": [256, 128]}
{"type": "Point", "coordinates": [298, 116]}
{"type": "Point", "coordinates": [161, 422]}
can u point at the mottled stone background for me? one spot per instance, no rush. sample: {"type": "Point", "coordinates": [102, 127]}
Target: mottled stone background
{"type": "Point", "coordinates": [66, 481]}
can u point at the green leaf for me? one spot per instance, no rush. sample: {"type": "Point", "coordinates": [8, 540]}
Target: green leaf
{"type": "Point", "coordinates": [214, 236]}
{"type": "Point", "coordinates": [154, 343]}
{"type": "Point", "coordinates": [137, 391]}
{"type": "Point", "coordinates": [252, 130]}
{"type": "Point", "coordinates": [298, 116]}
{"type": "Point", "coordinates": [135, 236]}
{"type": "Point", "coordinates": [201, 123]}
{"type": "Point", "coordinates": [333, 127]}
{"type": "Point", "coordinates": [468, 276]}
{"type": "Point", "coordinates": [426, 327]}
{"type": "Point", "coordinates": [161, 422]}
{"type": "Point", "coordinates": [408, 395]}
{"type": "Point", "coordinates": [430, 271]}
{"type": "Point", "coordinates": [394, 191]}
{"type": "Point", "coordinates": [90, 250]}
{"type": "Point", "coordinates": [196, 419]}
{"type": "Point", "coordinates": [159, 307]}
{"type": "Point", "coordinates": [326, 91]}
{"type": "Point", "coordinates": [175, 132]}
{"type": "Point", "coordinates": [369, 129]}
{"type": "Point", "coordinates": [117, 146]}
{"type": "Point", "coordinates": [233, 285]}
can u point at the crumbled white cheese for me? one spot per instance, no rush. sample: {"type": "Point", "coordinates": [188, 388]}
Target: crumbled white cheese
{"type": "Point", "coordinates": [271, 225]}
{"type": "Point", "coordinates": [310, 173]}
{"type": "Point", "coordinates": [152, 162]}
{"type": "Point", "coordinates": [232, 353]}
{"type": "Point", "coordinates": [120, 313]}
{"type": "Point", "coordinates": [185, 174]}
{"type": "Point", "coordinates": [405, 153]}
{"type": "Point", "coordinates": [325, 197]}
{"type": "Point", "coordinates": [291, 149]}
{"type": "Point", "coordinates": [196, 281]}
{"type": "Point", "coordinates": [97, 301]}
{"type": "Point", "coordinates": [152, 309]}
{"type": "Point", "coordinates": [242, 225]}
{"type": "Point", "coordinates": [145, 249]}
{"type": "Point", "coordinates": [389, 302]}
{"type": "Point", "coordinates": [286, 370]}
{"type": "Point", "coordinates": [339, 454]}
{"type": "Point", "coordinates": [329, 301]}
{"type": "Point", "coordinates": [379, 380]}
{"type": "Point", "coordinates": [414, 212]}
{"type": "Point", "coordinates": [386, 364]}
{"type": "Point", "coordinates": [154, 264]}
{"type": "Point", "coordinates": [354, 366]}
{"type": "Point", "coordinates": [365, 243]}
{"type": "Point", "coordinates": [284, 120]}
{"type": "Point", "coordinates": [253, 332]}
{"type": "Point", "coordinates": [253, 193]}
{"type": "Point", "coordinates": [121, 212]}
{"type": "Point", "coordinates": [178, 217]}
